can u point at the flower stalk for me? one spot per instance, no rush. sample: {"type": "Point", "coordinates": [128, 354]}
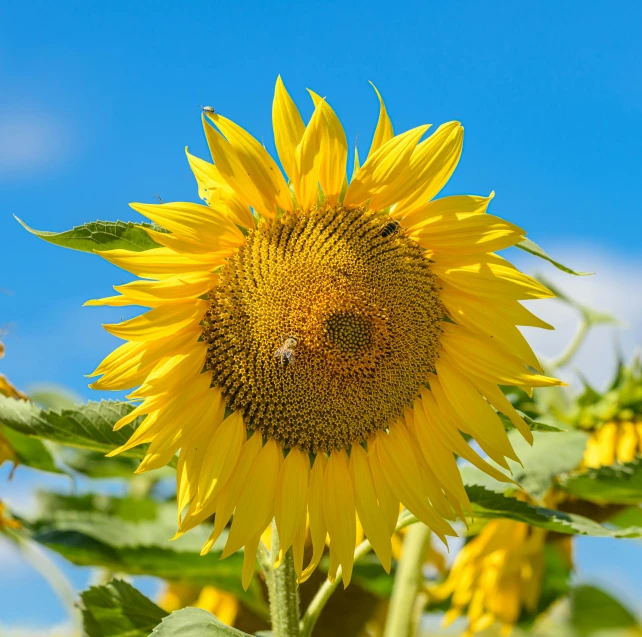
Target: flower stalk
{"type": "Point", "coordinates": [284, 593]}
{"type": "Point", "coordinates": [401, 615]}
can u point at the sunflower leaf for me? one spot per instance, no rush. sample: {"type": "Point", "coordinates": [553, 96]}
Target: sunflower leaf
{"type": "Point", "coordinates": [31, 452]}
{"type": "Point", "coordinates": [532, 248]}
{"type": "Point", "coordinates": [101, 235]}
{"type": "Point", "coordinates": [89, 426]}
{"type": "Point", "coordinates": [132, 536]}
{"type": "Point", "coordinates": [194, 622]}
{"type": "Point", "coordinates": [117, 609]}
{"type": "Point", "coordinates": [615, 484]}
{"type": "Point", "coordinates": [594, 611]}
{"type": "Point", "coordinates": [533, 425]}
{"type": "Point", "coordinates": [489, 504]}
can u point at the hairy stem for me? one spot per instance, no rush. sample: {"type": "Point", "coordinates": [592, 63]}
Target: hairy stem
{"type": "Point", "coordinates": [284, 594]}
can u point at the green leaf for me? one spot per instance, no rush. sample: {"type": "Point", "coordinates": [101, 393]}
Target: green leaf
{"type": "Point", "coordinates": [31, 452]}
{"type": "Point", "coordinates": [89, 426]}
{"type": "Point", "coordinates": [489, 505]}
{"type": "Point", "coordinates": [133, 537]}
{"type": "Point", "coordinates": [533, 425]}
{"type": "Point", "coordinates": [549, 457]}
{"type": "Point", "coordinates": [117, 609]}
{"type": "Point", "coordinates": [531, 247]}
{"type": "Point", "coordinates": [194, 622]}
{"type": "Point", "coordinates": [94, 464]}
{"type": "Point", "coordinates": [615, 484]}
{"type": "Point", "coordinates": [594, 611]}
{"type": "Point", "coordinates": [101, 235]}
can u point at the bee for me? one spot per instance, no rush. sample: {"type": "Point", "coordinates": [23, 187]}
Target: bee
{"type": "Point", "coordinates": [285, 353]}
{"type": "Point", "coordinates": [390, 228]}
{"type": "Point", "coordinates": [208, 109]}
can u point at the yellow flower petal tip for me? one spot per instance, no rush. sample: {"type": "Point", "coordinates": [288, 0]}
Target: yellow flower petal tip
{"type": "Point", "coordinates": [313, 312]}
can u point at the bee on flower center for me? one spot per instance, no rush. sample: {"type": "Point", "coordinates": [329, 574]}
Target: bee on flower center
{"type": "Point", "coordinates": [285, 353]}
{"type": "Point", "coordinates": [390, 228]}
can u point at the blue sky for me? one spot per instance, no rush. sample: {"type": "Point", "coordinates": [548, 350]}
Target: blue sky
{"type": "Point", "coordinates": [98, 101]}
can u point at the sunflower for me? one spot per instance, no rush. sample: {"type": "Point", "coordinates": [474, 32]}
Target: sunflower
{"type": "Point", "coordinates": [496, 576]}
{"type": "Point", "coordinates": [314, 348]}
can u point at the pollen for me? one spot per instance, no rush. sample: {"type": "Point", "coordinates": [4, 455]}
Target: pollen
{"type": "Point", "coordinates": [356, 308]}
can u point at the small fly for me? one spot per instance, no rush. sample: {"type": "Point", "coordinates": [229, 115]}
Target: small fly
{"type": "Point", "coordinates": [208, 109]}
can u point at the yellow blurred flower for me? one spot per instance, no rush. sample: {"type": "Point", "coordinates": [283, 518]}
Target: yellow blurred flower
{"type": "Point", "coordinates": [220, 603]}
{"type": "Point", "coordinates": [615, 441]}
{"type": "Point", "coordinates": [495, 576]}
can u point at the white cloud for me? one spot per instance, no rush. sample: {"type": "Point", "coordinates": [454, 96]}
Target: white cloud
{"type": "Point", "coordinates": [30, 139]}
{"type": "Point", "coordinates": [614, 288]}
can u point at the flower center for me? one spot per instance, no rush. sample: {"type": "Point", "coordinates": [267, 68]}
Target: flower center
{"type": "Point", "coordinates": [323, 327]}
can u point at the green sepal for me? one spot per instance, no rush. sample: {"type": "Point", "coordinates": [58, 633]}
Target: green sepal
{"type": "Point", "coordinates": [532, 248]}
{"type": "Point", "coordinates": [101, 235]}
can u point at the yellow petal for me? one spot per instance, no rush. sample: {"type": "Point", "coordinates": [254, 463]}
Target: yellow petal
{"type": "Point", "coordinates": [291, 497]}
{"type": "Point", "coordinates": [288, 127]}
{"type": "Point", "coordinates": [388, 502]}
{"type": "Point", "coordinates": [233, 170]}
{"type": "Point", "coordinates": [261, 168]}
{"type": "Point", "coordinates": [221, 457]}
{"type": "Point", "coordinates": [384, 132]}
{"type": "Point", "coordinates": [334, 151]}
{"type": "Point", "coordinates": [439, 457]}
{"type": "Point", "coordinates": [383, 167]}
{"type": "Point", "coordinates": [129, 364]}
{"type": "Point", "coordinates": [157, 263]}
{"type": "Point", "coordinates": [339, 511]}
{"type": "Point", "coordinates": [154, 293]}
{"type": "Point", "coordinates": [476, 355]}
{"type": "Point", "coordinates": [430, 167]}
{"type": "Point", "coordinates": [472, 204]}
{"type": "Point", "coordinates": [402, 473]}
{"type": "Point", "coordinates": [255, 508]}
{"type": "Point", "coordinates": [443, 424]}
{"type": "Point", "coordinates": [173, 371]}
{"type": "Point", "coordinates": [482, 420]}
{"type": "Point", "coordinates": [229, 496]}
{"type": "Point", "coordinates": [195, 223]}
{"type": "Point", "coordinates": [370, 515]}
{"type": "Point", "coordinates": [212, 188]}
{"type": "Point", "coordinates": [490, 320]}
{"type": "Point", "coordinates": [489, 276]}
{"type": "Point", "coordinates": [497, 399]}
{"type": "Point", "coordinates": [465, 233]}
{"type": "Point", "coordinates": [318, 528]}
{"type": "Point", "coordinates": [308, 159]}
{"type": "Point", "coordinates": [249, 561]}
{"type": "Point", "coordinates": [160, 322]}
{"type": "Point", "coordinates": [443, 150]}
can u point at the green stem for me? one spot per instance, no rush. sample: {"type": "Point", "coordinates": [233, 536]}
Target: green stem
{"type": "Point", "coordinates": [565, 357]}
{"type": "Point", "coordinates": [401, 616]}
{"type": "Point", "coordinates": [324, 593]}
{"type": "Point", "coordinates": [284, 594]}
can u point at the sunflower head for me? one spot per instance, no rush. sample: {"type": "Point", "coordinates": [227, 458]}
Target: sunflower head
{"type": "Point", "coordinates": [496, 577]}
{"type": "Point", "coordinates": [315, 348]}
{"type": "Point", "coordinates": [613, 419]}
